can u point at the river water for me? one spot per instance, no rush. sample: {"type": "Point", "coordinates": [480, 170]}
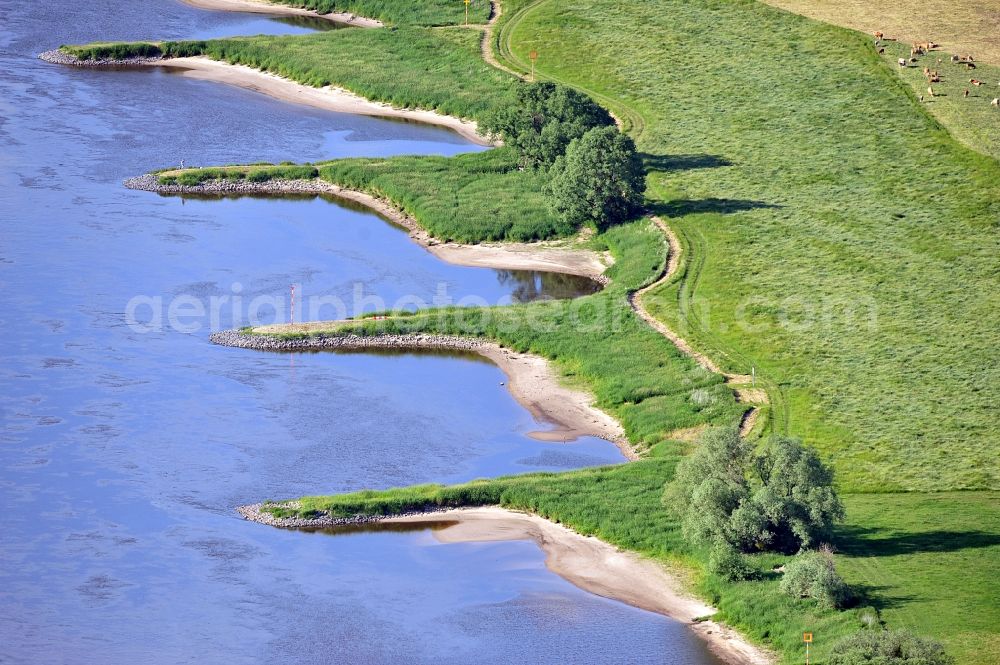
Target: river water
{"type": "Point", "coordinates": [128, 439]}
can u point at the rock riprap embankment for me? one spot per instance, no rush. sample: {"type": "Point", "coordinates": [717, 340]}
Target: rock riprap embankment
{"type": "Point", "coordinates": [347, 342]}
{"type": "Point", "coordinates": [257, 513]}
{"type": "Point", "coordinates": [151, 183]}
{"type": "Point", "coordinates": [61, 58]}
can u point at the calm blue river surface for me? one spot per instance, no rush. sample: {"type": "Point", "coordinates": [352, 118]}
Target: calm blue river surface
{"type": "Point", "coordinates": [127, 442]}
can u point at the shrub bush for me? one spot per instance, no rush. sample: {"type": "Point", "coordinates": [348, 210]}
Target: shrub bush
{"type": "Point", "coordinates": [730, 564]}
{"type": "Point", "coordinates": [893, 647]}
{"type": "Point", "coordinates": [541, 120]}
{"type": "Point", "coordinates": [814, 575]}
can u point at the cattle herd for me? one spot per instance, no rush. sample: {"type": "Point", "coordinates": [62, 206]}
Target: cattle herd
{"type": "Point", "coordinates": [933, 75]}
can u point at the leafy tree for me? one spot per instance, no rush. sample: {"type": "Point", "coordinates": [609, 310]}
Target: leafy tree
{"type": "Point", "coordinates": [710, 485]}
{"type": "Point", "coordinates": [814, 575]}
{"type": "Point", "coordinates": [779, 498]}
{"type": "Point", "coordinates": [542, 119]}
{"type": "Point", "coordinates": [795, 495]}
{"type": "Point", "coordinates": [599, 181]}
{"type": "Point", "coordinates": [893, 647]}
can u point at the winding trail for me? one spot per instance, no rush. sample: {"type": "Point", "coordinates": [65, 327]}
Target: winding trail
{"type": "Point", "coordinates": [496, 10]}
{"type": "Point", "coordinates": [743, 384]}
{"type": "Point", "coordinates": [631, 121]}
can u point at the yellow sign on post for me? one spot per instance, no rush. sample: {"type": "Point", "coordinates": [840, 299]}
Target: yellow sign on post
{"type": "Point", "coordinates": [534, 56]}
{"type": "Point", "coordinates": [807, 638]}
{"type": "Point", "coordinates": [467, 11]}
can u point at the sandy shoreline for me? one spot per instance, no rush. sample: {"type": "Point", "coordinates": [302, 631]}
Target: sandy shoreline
{"type": "Point", "coordinates": [585, 561]}
{"type": "Point", "coordinates": [541, 256]}
{"type": "Point", "coordinates": [530, 378]}
{"type": "Point", "coordinates": [262, 7]}
{"type": "Point", "coordinates": [596, 567]}
{"type": "Point", "coordinates": [329, 98]}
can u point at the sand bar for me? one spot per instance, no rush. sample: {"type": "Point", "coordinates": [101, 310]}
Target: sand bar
{"type": "Point", "coordinates": [542, 256]}
{"type": "Point", "coordinates": [275, 9]}
{"type": "Point", "coordinates": [599, 568]}
{"type": "Point", "coordinates": [329, 98]}
{"type": "Point", "coordinates": [530, 378]}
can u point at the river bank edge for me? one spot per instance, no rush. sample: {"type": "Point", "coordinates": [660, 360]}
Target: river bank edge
{"type": "Point", "coordinates": [275, 9]}
{"type": "Point", "coordinates": [544, 256]}
{"type": "Point", "coordinates": [330, 98]}
{"type": "Point", "coordinates": [585, 561]}
{"type": "Point", "coordinates": [530, 378]}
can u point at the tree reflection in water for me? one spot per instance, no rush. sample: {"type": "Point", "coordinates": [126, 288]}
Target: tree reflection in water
{"type": "Point", "coordinates": [528, 286]}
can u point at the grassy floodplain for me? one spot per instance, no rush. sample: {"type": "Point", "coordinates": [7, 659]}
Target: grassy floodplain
{"type": "Point", "coordinates": [800, 172]}
{"type": "Point", "coordinates": [849, 197]}
{"type": "Point", "coordinates": [409, 67]}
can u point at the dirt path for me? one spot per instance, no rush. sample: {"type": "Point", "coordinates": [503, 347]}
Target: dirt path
{"type": "Point", "coordinates": [496, 9]}
{"type": "Point", "coordinates": [742, 383]}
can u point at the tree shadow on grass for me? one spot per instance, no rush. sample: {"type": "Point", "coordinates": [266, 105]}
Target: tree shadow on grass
{"type": "Point", "coordinates": [879, 596]}
{"type": "Point", "coordinates": [865, 541]}
{"type": "Point", "coordinates": [682, 207]}
{"type": "Point", "coordinates": [682, 162]}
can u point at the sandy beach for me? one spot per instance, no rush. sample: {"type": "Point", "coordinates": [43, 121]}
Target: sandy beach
{"type": "Point", "coordinates": [596, 567]}
{"type": "Point", "coordinates": [329, 98]}
{"type": "Point", "coordinates": [585, 561]}
{"type": "Point", "coordinates": [275, 9]}
{"type": "Point", "coordinates": [541, 256]}
{"type": "Point", "coordinates": [530, 378]}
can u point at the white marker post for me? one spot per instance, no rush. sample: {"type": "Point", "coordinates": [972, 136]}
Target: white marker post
{"type": "Point", "coordinates": [292, 318]}
{"type": "Point", "coordinates": [534, 56]}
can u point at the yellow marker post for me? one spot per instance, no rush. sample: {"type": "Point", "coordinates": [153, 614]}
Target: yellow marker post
{"type": "Point", "coordinates": [534, 56]}
{"type": "Point", "coordinates": [467, 11]}
{"type": "Point", "coordinates": [807, 638]}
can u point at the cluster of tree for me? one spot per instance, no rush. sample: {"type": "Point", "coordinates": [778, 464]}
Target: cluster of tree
{"type": "Point", "coordinates": [778, 498]}
{"type": "Point", "coordinates": [735, 497]}
{"type": "Point", "coordinates": [595, 174]}
{"type": "Point", "coordinates": [541, 119]}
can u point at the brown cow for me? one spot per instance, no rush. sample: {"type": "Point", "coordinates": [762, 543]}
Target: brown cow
{"type": "Point", "coordinates": [975, 82]}
{"type": "Point", "coordinates": [878, 34]}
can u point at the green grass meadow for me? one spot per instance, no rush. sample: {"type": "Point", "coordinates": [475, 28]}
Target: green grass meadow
{"type": "Point", "coordinates": [846, 246]}
{"type": "Point", "coordinates": [476, 197]}
{"type": "Point", "coordinates": [437, 69]}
